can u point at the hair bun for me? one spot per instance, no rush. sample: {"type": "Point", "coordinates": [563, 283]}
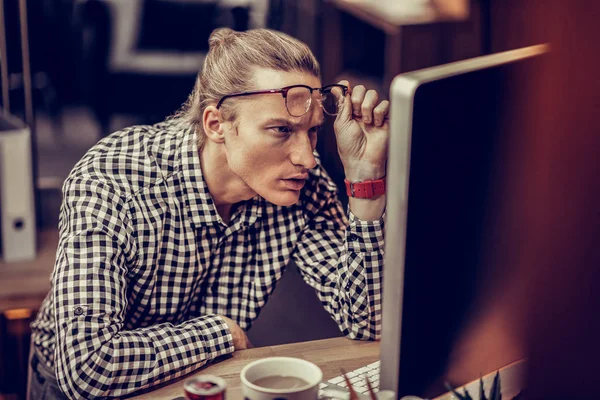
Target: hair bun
{"type": "Point", "coordinates": [220, 36]}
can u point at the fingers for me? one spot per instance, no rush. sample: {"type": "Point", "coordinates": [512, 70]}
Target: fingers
{"type": "Point", "coordinates": [361, 103]}
{"type": "Point", "coordinates": [380, 112]}
{"type": "Point", "coordinates": [345, 114]}
{"type": "Point", "coordinates": [338, 91]}
{"type": "Point", "coordinates": [368, 105]}
{"type": "Point", "coordinates": [240, 340]}
{"type": "Point", "coordinates": [357, 97]}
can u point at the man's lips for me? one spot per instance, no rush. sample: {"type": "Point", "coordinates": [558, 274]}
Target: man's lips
{"type": "Point", "coordinates": [303, 176]}
{"type": "Point", "coordinates": [296, 182]}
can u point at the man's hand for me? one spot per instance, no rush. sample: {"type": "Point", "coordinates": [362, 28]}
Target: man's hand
{"type": "Point", "coordinates": [240, 340]}
{"type": "Point", "coordinates": [362, 133]}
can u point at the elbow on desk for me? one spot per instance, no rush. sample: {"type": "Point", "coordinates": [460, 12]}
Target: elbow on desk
{"type": "Point", "coordinates": [363, 330]}
{"type": "Point", "coordinates": [74, 383]}
{"type": "Point", "coordinates": [96, 375]}
{"type": "Point", "coordinates": [364, 335]}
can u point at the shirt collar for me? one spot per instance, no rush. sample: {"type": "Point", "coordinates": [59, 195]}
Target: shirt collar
{"type": "Point", "coordinates": [201, 207]}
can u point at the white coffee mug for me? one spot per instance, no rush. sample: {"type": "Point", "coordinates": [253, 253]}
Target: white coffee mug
{"type": "Point", "coordinates": [281, 367]}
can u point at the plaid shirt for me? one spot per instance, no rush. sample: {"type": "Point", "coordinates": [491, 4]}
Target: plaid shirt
{"type": "Point", "coordinates": [145, 265]}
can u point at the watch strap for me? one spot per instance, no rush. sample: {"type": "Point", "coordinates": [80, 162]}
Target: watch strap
{"type": "Point", "coordinates": [365, 189]}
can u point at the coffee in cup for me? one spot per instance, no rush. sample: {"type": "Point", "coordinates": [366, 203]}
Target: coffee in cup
{"type": "Point", "coordinates": [281, 378]}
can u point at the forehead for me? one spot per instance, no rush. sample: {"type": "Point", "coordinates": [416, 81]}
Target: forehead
{"type": "Point", "coordinates": [272, 79]}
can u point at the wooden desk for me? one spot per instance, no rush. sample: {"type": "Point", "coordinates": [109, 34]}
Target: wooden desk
{"type": "Point", "coordinates": [25, 284]}
{"type": "Point", "coordinates": [328, 354]}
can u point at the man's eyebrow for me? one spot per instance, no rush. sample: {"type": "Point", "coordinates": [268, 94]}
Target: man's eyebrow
{"type": "Point", "coordinates": [284, 121]}
{"type": "Point", "coordinates": [280, 121]}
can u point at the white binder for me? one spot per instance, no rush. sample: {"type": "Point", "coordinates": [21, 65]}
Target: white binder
{"type": "Point", "coordinates": [17, 210]}
{"type": "Point", "coordinates": [17, 198]}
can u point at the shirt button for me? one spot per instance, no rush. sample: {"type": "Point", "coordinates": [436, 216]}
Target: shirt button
{"type": "Point", "coordinates": [78, 311]}
{"type": "Point", "coordinates": [353, 237]}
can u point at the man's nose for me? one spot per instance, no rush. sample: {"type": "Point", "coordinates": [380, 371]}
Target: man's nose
{"type": "Point", "coordinates": [303, 152]}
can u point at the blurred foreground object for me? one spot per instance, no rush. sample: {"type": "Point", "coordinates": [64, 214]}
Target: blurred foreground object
{"type": "Point", "coordinates": [560, 280]}
{"type": "Point", "coordinates": [556, 278]}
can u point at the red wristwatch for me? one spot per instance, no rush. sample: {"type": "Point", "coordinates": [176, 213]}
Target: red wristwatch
{"type": "Point", "coordinates": [365, 189]}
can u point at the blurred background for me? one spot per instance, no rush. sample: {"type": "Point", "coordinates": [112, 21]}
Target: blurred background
{"type": "Point", "coordinates": [100, 65]}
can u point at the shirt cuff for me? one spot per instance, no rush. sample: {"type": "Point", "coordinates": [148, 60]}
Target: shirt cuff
{"type": "Point", "coordinates": [365, 236]}
{"type": "Point", "coordinates": [217, 338]}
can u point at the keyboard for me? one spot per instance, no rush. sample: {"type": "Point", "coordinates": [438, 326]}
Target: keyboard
{"type": "Point", "coordinates": [357, 379]}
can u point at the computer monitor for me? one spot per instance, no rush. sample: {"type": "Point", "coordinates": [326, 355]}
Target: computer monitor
{"type": "Point", "coordinates": [453, 131]}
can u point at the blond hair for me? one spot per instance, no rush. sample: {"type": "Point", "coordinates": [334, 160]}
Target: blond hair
{"type": "Point", "coordinates": [229, 64]}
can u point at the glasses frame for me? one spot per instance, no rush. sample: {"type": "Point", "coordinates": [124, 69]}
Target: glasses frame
{"type": "Point", "coordinates": [284, 91]}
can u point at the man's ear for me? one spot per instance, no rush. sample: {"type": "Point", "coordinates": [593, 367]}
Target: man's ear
{"type": "Point", "coordinates": [213, 124]}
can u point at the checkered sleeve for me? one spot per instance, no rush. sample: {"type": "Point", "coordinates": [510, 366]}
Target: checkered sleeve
{"type": "Point", "coordinates": [95, 356]}
{"type": "Point", "coordinates": [343, 261]}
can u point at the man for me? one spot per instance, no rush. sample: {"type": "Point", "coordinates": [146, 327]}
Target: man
{"type": "Point", "coordinates": [173, 236]}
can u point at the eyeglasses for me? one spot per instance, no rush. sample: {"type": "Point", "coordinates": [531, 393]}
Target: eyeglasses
{"type": "Point", "coordinates": [298, 98]}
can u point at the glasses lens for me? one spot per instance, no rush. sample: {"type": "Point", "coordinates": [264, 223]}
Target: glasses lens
{"type": "Point", "coordinates": [298, 101]}
{"type": "Point", "coordinates": [332, 100]}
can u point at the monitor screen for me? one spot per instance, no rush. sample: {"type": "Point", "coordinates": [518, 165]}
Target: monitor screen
{"type": "Point", "coordinates": [461, 232]}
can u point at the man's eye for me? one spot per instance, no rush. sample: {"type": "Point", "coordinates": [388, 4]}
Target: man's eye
{"type": "Point", "coordinates": [315, 130]}
{"type": "Point", "coordinates": [282, 129]}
